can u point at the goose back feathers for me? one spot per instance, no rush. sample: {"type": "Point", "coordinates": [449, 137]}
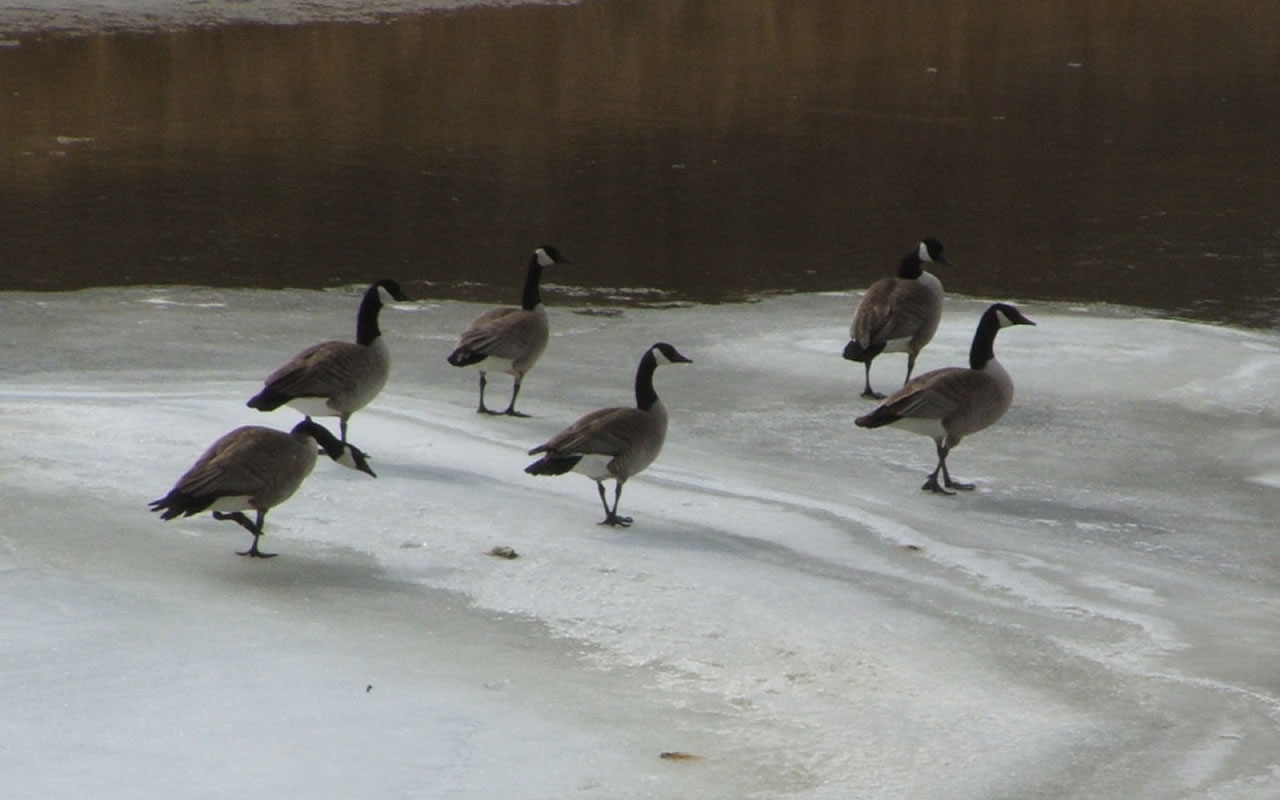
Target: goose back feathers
{"type": "Point", "coordinates": [898, 314]}
{"type": "Point", "coordinates": [510, 340]}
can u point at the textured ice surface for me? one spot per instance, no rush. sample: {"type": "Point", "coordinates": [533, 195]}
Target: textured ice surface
{"type": "Point", "coordinates": [1098, 619]}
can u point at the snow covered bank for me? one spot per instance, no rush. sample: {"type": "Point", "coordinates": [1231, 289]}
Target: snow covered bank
{"type": "Point", "coordinates": [1097, 620]}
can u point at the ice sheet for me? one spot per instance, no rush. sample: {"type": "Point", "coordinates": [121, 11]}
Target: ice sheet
{"type": "Point", "coordinates": [1097, 620]}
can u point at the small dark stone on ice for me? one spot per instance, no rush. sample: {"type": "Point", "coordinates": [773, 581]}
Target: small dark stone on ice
{"type": "Point", "coordinates": [368, 688]}
{"type": "Point", "coordinates": [676, 755]}
{"type": "Point", "coordinates": [502, 551]}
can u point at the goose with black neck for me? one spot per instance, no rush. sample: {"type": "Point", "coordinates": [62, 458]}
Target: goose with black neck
{"type": "Point", "coordinates": [613, 443]}
{"type": "Point", "coordinates": [510, 340]}
{"type": "Point", "coordinates": [951, 403]}
{"type": "Point", "coordinates": [254, 467]}
{"type": "Point", "coordinates": [898, 314]}
{"type": "Point", "coordinates": [336, 378]}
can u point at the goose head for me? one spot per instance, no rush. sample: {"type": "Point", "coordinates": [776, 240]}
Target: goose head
{"type": "Point", "coordinates": [392, 289]}
{"type": "Point", "coordinates": [546, 255]}
{"type": "Point", "coordinates": [1007, 315]}
{"type": "Point", "coordinates": [930, 251]}
{"type": "Point", "coordinates": [664, 353]}
{"type": "Point", "coordinates": [348, 455]}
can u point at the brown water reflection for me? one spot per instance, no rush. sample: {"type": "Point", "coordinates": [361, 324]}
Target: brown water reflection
{"type": "Point", "coordinates": [1089, 149]}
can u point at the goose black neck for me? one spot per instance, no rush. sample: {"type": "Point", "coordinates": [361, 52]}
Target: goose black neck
{"type": "Point", "coordinates": [332, 447]}
{"type": "Point", "coordinates": [532, 298]}
{"type": "Point", "coordinates": [911, 266]}
{"type": "Point", "coordinates": [984, 340]}
{"type": "Point", "coordinates": [645, 394]}
{"type": "Point", "coordinates": [367, 330]}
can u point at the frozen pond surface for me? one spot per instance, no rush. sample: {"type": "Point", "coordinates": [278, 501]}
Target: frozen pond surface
{"type": "Point", "coordinates": [1098, 620]}
{"type": "Point", "coordinates": [98, 15]}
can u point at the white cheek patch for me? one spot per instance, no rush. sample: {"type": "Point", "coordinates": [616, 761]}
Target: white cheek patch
{"type": "Point", "coordinates": [544, 260]}
{"type": "Point", "coordinates": [924, 252]}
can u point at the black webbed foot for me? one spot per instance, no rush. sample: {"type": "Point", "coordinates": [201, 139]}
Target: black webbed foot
{"type": "Point", "coordinates": [932, 485]}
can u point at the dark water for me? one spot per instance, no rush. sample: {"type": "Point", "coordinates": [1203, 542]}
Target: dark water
{"type": "Point", "coordinates": [1082, 149]}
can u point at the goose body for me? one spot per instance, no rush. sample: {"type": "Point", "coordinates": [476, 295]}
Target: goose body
{"type": "Point", "coordinates": [253, 467]}
{"type": "Point", "coordinates": [898, 314]}
{"type": "Point", "coordinates": [613, 443]}
{"type": "Point", "coordinates": [510, 340]}
{"type": "Point", "coordinates": [951, 403]}
{"type": "Point", "coordinates": [336, 378]}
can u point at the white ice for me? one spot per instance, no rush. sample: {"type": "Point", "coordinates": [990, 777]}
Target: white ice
{"type": "Point", "coordinates": [89, 16]}
{"type": "Point", "coordinates": [1100, 619]}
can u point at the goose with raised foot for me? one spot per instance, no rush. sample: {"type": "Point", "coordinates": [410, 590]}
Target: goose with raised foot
{"type": "Point", "coordinates": [613, 443]}
{"type": "Point", "coordinates": [507, 339]}
{"type": "Point", "coordinates": [257, 468]}
{"type": "Point", "coordinates": [334, 378]}
{"type": "Point", "coordinates": [898, 314]}
{"type": "Point", "coordinates": [950, 403]}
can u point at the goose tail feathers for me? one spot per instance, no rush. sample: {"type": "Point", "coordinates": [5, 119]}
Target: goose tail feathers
{"type": "Point", "coordinates": [853, 351]}
{"type": "Point", "coordinates": [553, 465]}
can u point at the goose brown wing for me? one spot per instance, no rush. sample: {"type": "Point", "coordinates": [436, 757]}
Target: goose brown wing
{"type": "Point", "coordinates": [937, 394]}
{"type": "Point", "coordinates": [608, 431]}
{"type": "Point", "coordinates": [503, 333]}
{"type": "Point", "coordinates": [322, 370]}
{"type": "Point", "coordinates": [247, 461]}
{"type": "Point", "coordinates": [894, 309]}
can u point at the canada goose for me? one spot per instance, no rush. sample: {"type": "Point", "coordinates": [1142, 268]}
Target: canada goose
{"type": "Point", "coordinates": [613, 442]}
{"type": "Point", "coordinates": [898, 315]}
{"type": "Point", "coordinates": [950, 403]}
{"type": "Point", "coordinates": [510, 340]}
{"type": "Point", "coordinates": [253, 467]}
{"type": "Point", "coordinates": [336, 379]}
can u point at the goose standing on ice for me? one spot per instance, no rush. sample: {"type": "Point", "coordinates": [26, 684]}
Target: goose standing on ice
{"type": "Point", "coordinates": [898, 315]}
{"type": "Point", "coordinates": [950, 403]}
{"type": "Point", "coordinates": [336, 379]}
{"type": "Point", "coordinates": [257, 468]}
{"type": "Point", "coordinates": [613, 443]}
{"type": "Point", "coordinates": [510, 340]}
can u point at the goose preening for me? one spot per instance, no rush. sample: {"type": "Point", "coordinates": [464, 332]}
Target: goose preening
{"type": "Point", "coordinates": [613, 443]}
{"type": "Point", "coordinates": [257, 468]}
{"type": "Point", "coordinates": [510, 340]}
{"type": "Point", "coordinates": [900, 314]}
{"type": "Point", "coordinates": [950, 403]}
{"type": "Point", "coordinates": [336, 379]}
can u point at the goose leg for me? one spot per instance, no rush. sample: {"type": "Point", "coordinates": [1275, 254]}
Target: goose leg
{"type": "Point", "coordinates": [511, 407]}
{"type": "Point", "coordinates": [483, 409]}
{"type": "Point", "coordinates": [931, 484]}
{"type": "Point", "coordinates": [911, 365]}
{"type": "Point", "coordinates": [867, 391]}
{"type": "Point", "coordinates": [611, 514]}
{"type": "Point", "coordinates": [946, 477]}
{"type": "Point", "coordinates": [342, 427]}
{"type": "Point", "coordinates": [240, 519]}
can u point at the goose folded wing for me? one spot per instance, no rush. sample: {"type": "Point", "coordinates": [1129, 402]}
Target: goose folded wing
{"type": "Point", "coordinates": [608, 431]}
{"type": "Point", "coordinates": [501, 333]}
{"type": "Point", "coordinates": [936, 394]}
{"type": "Point", "coordinates": [906, 308]}
{"type": "Point", "coordinates": [240, 464]}
{"type": "Point", "coordinates": [320, 370]}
